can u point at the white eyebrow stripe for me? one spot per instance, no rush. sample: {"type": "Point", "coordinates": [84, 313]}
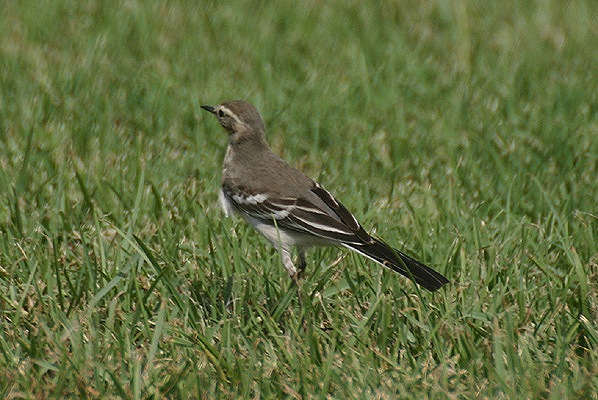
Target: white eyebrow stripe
{"type": "Point", "coordinates": [231, 114]}
{"type": "Point", "coordinates": [223, 108]}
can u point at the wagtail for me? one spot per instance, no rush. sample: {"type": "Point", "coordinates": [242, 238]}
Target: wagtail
{"type": "Point", "coordinates": [290, 209]}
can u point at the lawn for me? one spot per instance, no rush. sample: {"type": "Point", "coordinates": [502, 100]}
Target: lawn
{"type": "Point", "coordinates": [464, 133]}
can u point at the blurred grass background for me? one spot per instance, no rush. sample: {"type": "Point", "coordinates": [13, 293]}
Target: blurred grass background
{"type": "Point", "coordinates": [463, 132]}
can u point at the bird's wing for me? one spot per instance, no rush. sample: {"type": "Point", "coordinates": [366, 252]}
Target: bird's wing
{"type": "Point", "coordinates": [300, 214]}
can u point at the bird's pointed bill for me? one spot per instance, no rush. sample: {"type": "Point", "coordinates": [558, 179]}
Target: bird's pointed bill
{"type": "Point", "coordinates": [209, 108]}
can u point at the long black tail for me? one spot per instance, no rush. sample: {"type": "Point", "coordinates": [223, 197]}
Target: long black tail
{"type": "Point", "coordinates": [397, 261]}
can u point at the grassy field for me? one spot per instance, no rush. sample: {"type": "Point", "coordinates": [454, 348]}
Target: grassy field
{"type": "Point", "coordinates": [463, 132]}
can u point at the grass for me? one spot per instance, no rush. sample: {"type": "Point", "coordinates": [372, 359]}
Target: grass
{"type": "Point", "coordinates": [464, 132]}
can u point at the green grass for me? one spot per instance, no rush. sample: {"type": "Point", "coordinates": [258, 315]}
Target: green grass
{"type": "Point", "coordinates": [464, 132]}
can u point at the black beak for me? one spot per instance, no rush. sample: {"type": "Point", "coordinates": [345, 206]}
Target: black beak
{"type": "Point", "coordinates": [209, 108]}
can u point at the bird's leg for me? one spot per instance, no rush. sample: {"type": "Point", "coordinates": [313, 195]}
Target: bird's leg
{"type": "Point", "coordinates": [288, 263]}
{"type": "Point", "coordinates": [301, 263]}
{"type": "Point", "coordinates": [300, 271]}
{"type": "Point", "coordinates": [292, 271]}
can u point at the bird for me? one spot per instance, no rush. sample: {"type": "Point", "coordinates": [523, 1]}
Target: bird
{"type": "Point", "coordinates": [288, 208]}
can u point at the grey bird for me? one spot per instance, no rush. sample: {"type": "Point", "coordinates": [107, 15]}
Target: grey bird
{"type": "Point", "coordinates": [290, 209]}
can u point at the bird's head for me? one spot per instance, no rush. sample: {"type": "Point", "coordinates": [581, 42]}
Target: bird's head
{"type": "Point", "coordinates": [238, 117]}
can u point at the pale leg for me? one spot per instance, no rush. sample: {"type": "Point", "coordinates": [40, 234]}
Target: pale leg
{"type": "Point", "coordinates": [288, 262]}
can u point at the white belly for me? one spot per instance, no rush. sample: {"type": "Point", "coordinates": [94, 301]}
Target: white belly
{"type": "Point", "coordinates": [286, 239]}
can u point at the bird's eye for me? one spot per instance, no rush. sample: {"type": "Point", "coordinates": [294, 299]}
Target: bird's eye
{"type": "Point", "coordinates": [220, 113]}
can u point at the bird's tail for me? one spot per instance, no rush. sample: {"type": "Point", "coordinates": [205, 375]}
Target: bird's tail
{"type": "Point", "coordinates": [401, 263]}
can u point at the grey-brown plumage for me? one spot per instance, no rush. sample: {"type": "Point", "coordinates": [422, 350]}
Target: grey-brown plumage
{"type": "Point", "coordinates": [290, 209]}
